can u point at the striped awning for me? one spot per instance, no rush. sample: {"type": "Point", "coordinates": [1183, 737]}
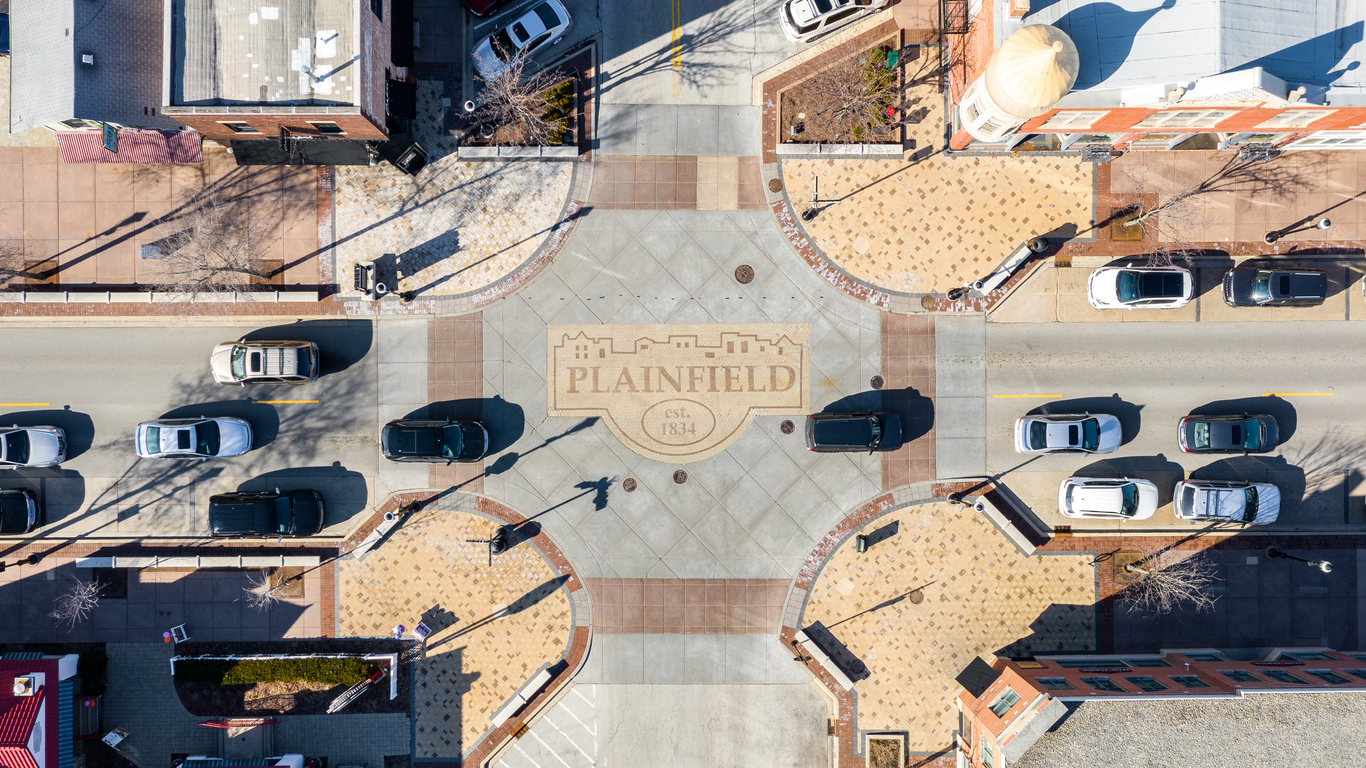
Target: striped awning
{"type": "Point", "coordinates": [134, 146]}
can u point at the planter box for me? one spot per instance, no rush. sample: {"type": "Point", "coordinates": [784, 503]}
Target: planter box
{"type": "Point", "coordinates": [886, 750]}
{"type": "Point", "coordinates": [565, 152]}
{"type": "Point", "coordinates": [825, 150]}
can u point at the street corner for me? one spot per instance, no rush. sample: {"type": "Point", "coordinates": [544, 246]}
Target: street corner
{"type": "Point", "coordinates": [1034, 301]}
{"type": "Point", "coordinates": [902, 606]}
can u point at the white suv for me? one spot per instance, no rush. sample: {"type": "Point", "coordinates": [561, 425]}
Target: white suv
{"type": "Point", "coordinates": [1140, 287]}
{"type": "Point", "coordinates": [805, 20]}
{"type": "Point", "coordinates": [1124, 498]}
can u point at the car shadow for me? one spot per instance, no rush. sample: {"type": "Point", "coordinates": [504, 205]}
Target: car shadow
{"type": "Point", "coordinates": [1290, 479]}
{"type": "Point", "coordinates": [916, 411]}
{"type": "Point", "coordinates": [341, 343]}
{"type": "Point", "coordinates": [859, 402]}
{"type": "Point", "coordinates": [345, 493]}
{"type": "Point", "coordinates": [1209, 278]}
{"type": "Point", "coordinates": [263, 418]}
{"type": "Point", "coordinates": [1338, 266]}
{"type": "Point", "coordinates": [1161, 471]}
{"type": "Point", "coordinates": [1277, 408]}
{"type": "Point", "coordinates": [60, 492]}
{"type": "Point", "coordinates": [505, 421]}
{"type": "Point", "coordinates": [1129, 415]}
{"type": "Point", "coordinates": [79, 428]}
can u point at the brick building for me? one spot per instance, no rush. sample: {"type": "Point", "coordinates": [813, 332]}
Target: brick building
{"type": "Point", "coordinates": [37, 710]}
{"type": "Point", "coordinates": [1138, 74]}
{"type": "Point", "coordinates": [1007, 706]}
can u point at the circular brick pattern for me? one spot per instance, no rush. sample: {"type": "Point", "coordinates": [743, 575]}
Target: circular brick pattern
{"type": "Point", "coordinates": [744, 274]}
{"type": "Point", "coordinates": [629, 484]}
{"type": "Point", "coordinates": [787, 426]}
{"type": "Point", "coordinates": [680, 477]}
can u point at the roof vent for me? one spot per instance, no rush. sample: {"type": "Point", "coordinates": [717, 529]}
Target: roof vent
{"type": "Point", "coordinates": [25, 686]}
{"type": "Point", "coordinates": [88, 58]}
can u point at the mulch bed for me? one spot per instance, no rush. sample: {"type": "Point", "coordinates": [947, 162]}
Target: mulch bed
{"type": "Point", "coordinates": [802, 99]}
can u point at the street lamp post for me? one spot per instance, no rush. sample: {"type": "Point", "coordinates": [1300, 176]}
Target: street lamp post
{"type": "Point", "coordinates": [32, 559]}
{"type": "Point", "coordinates": [813, 209]}
{"type": "Point", "coordinates": [1322, 565]}
{"type": "Point", "coordinates": [1273, 236]}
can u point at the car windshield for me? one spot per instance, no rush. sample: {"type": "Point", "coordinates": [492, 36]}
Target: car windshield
{"type": "Point", "coordinates": [1251, 434]}
{"type": "Point", "coordinates": [875, 424]}
{"type": "Point", "coordinates": [502, 45]}
{"type": "Point", "coordinates": [1261, 286]}
{"type": "Point", "coordinates": [1090, 434]}
{"type": "Point", "coordinates": [303, 363]}
{"type": "Point", "coordinates": [239, 362]}
{"type": "Point", "coordinates": [206, 438]}
{"type": "Point", "coordinates": [283, 519]}
{"type": "Point", "coordinates": [152, 444]}
{"type": "Point", "coordinates": [547, 15]}
{"type": "Point", "coordinates": [1126, 287]}
{"type": "Point", "coordinates": [1201, 434]}
{"type": "Point", "coordinates": [450, 441]}
{"type": "Point", "coordinates": [1038, 435]}
{"type": "Point", "coordinates": [1187, 499]}
{"type": "Point", "coordinates": [1250, 504]}
{"type": "Point", "coordinates": [16, 447]}
{"type": "Point", "coordinates": [1130, 504]}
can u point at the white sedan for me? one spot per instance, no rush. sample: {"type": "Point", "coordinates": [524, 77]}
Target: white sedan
{"type": "Point", "coordinates": [1140, 287]}
{"type": "Point", "coordinates": [1107, 499]}
{"type": "Point", "coordinates": [1227, 502]}
{"type": "Point", "coordinates": [1069, 433]}
{"type": "Point", "coordinates": [199, 439]}
{"type": "Point", "coordinates": [543, 25]}
{"type": "Point", "coordinates": [32, 447]}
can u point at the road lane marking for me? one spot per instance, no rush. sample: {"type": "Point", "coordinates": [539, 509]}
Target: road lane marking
{"type": "Point", "coordinates": [1022, 397]}
{"type": "Point", "coordinates": [284, 401]}
{"type": "Point", "coordinates": [22, 405]}
{"type": "Point", "coordinates": [1297, 394]}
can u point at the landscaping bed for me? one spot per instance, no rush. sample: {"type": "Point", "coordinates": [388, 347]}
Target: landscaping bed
{"type": "Point", "coordinates": [561, 106]}
{"type": "Point", "coordinates": [846, 101]}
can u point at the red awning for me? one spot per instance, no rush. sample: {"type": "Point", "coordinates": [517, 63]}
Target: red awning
{"type": "Point", "coordinates": [135, 146]}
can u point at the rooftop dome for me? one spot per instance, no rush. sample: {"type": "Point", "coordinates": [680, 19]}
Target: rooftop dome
{"type": "Point", "coordinates": [1031, 70]}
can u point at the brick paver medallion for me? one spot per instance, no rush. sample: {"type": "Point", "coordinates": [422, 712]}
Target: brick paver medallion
{"type": "Point", "coordinates": [678, 393]}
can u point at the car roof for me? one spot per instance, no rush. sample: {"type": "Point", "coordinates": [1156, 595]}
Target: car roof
{"type": "Point", "coordinates": [1103, 499]}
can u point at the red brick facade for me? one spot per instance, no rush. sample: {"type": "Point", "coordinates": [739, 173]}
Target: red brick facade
{"type": "Point", "coordinates": [211, 125]}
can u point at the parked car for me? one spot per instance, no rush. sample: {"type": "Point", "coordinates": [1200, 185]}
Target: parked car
{"type": "Point", "coordinates": [31, 447]}
{"type": "Point", "coordinates": [542, 26]}
{"type": "Point", "coordinates": [483, 7]}
{"type": "Point", "coordinates": [201, 438]}
{"type": "Point", "coordinates": [1227, 434]}
{"type": "Point", "coordinates": [1275, 287]}
{"type": "Point", "coordinates": [1070, 433]}
{"type": "Point", "coordinates": [19, 512]}
{"type": "Point", "coordinates": [416, 440]}
{"type": "Point", "coordinates": [264, 362]}
{"type": "Point", "coordinates": [1230, 502]}
{"type": "Point", "coordinates": [268, 513]}
{"type": "Point", "coordinates": [805, 20]}
{"type": "Point", "coordinates": [1107, 499]}
{"type": "Point", "coordinates": [1140, 287]}
{"type": "Point", "coordinates": [853, 432]}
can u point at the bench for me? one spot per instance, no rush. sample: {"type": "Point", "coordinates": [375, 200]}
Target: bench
{"type": "Point", "coordinates": [522, 697]}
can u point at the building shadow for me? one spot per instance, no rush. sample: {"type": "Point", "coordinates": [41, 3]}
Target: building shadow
{"type": "Point", "coordinates": [1060, 628]}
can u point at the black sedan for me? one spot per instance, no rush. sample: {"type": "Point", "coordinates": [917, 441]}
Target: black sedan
{"type": "Point", "coordinates": [1227, 434]}
{"type": "Point", "coordinates": [448, 441]}
{"type": "Point", "coordinates": [19, 512]}
{"type": "Point", "coordinates": [1275, 287]}
{"type": "Point", "coordinates": [268, 513]}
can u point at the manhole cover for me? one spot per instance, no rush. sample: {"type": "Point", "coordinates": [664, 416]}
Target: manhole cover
{"type": "Point", "coordinates": [917, 597]}
{"type": "Point", "coordinates": [775, 185]}
{"type": "Point", "coordinates": [744, 273]}
{"type": "Point", "coordinates": [927, 301]}
{"type": "Point", "coordinates": [876, 382]}
{"type": "Point", "coordinates": [787, 426]}
{"type": "Point", "coordinates": [629, 484]}
{"type": "Point", "coordinates": [680, 477]}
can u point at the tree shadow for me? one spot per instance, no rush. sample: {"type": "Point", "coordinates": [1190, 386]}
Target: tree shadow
{"type": "Point", "coordinates": [263, 418]}
{"type": "Point", "coordinates": [1129, 415]}
{"type": "Point", "coordinates": [341, 343]}
{"type": "Point", "coordinates": [1277, 408]}
{"type": "Point", "coordinates": [78, 426]}
{"type": "Point", "coordinates": [345, 493]}
{"type": "Point", "coordinates": [1161, 471]}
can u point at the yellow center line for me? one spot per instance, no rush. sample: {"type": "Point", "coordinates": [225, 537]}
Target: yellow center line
{"type": "Point", "coordinates": [1297, 394]}
{"type": "Point", "coordinates": [21, 405]}
{"type": "Point", "coordinates": [284, 401]}
{"type": "Point", "coordinates": [1022, 397]}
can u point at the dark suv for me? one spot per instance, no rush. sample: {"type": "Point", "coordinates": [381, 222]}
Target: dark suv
{"type": "Point", "coordinates": [1275, 287]}
{"type": "Point", "coordinates": [413, 440]}
{"type": "Point", "coordinates": [267, 513]}
{"type": "Point", "coordinates": [19, 512]}
{"type": "Point", "coordinates": [852, 432]}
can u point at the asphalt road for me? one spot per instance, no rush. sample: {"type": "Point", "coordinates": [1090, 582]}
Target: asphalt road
{"type": "Point", "coordinates": [1152, 374]}
{"type": "Point", "coordinates": [97, 382]}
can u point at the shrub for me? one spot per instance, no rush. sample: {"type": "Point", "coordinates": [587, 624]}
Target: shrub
{"type": "Point", "coordinates": [344, 671]}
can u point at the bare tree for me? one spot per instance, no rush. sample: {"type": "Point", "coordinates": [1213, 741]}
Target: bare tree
{"type": "Point", "coordinates": [1166, 579]}
{"type": "Point", "coordinates": [13, 266]}
{"type": "Point", "coordinates": [264, 590]}
{"type": "Point", "coordinates": [516, 99]}
{"type": "Point", "coordinates": [216, 246]}
{"type": "Point", "coordinates": [76, 604]}
{"type": "Point", "coordinates": [851, 96]}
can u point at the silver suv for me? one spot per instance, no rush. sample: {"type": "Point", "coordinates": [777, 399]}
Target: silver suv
{"type": "Point", "coordinates": [264, 362]}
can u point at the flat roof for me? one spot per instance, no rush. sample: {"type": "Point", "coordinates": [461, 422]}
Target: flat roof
{"type": "Point", "coordinates": [288, 52]}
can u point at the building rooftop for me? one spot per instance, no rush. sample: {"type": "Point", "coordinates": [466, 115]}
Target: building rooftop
{"type": "Point", "coordinates": [289, 52]}
{"type": "Point", "coordinates": [1129, 43]}
{"type": "Point", "coordinates": [1258, 729]}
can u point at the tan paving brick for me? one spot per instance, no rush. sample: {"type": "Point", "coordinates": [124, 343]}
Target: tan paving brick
{"type": "Point", "coordinates": [981, 596]}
